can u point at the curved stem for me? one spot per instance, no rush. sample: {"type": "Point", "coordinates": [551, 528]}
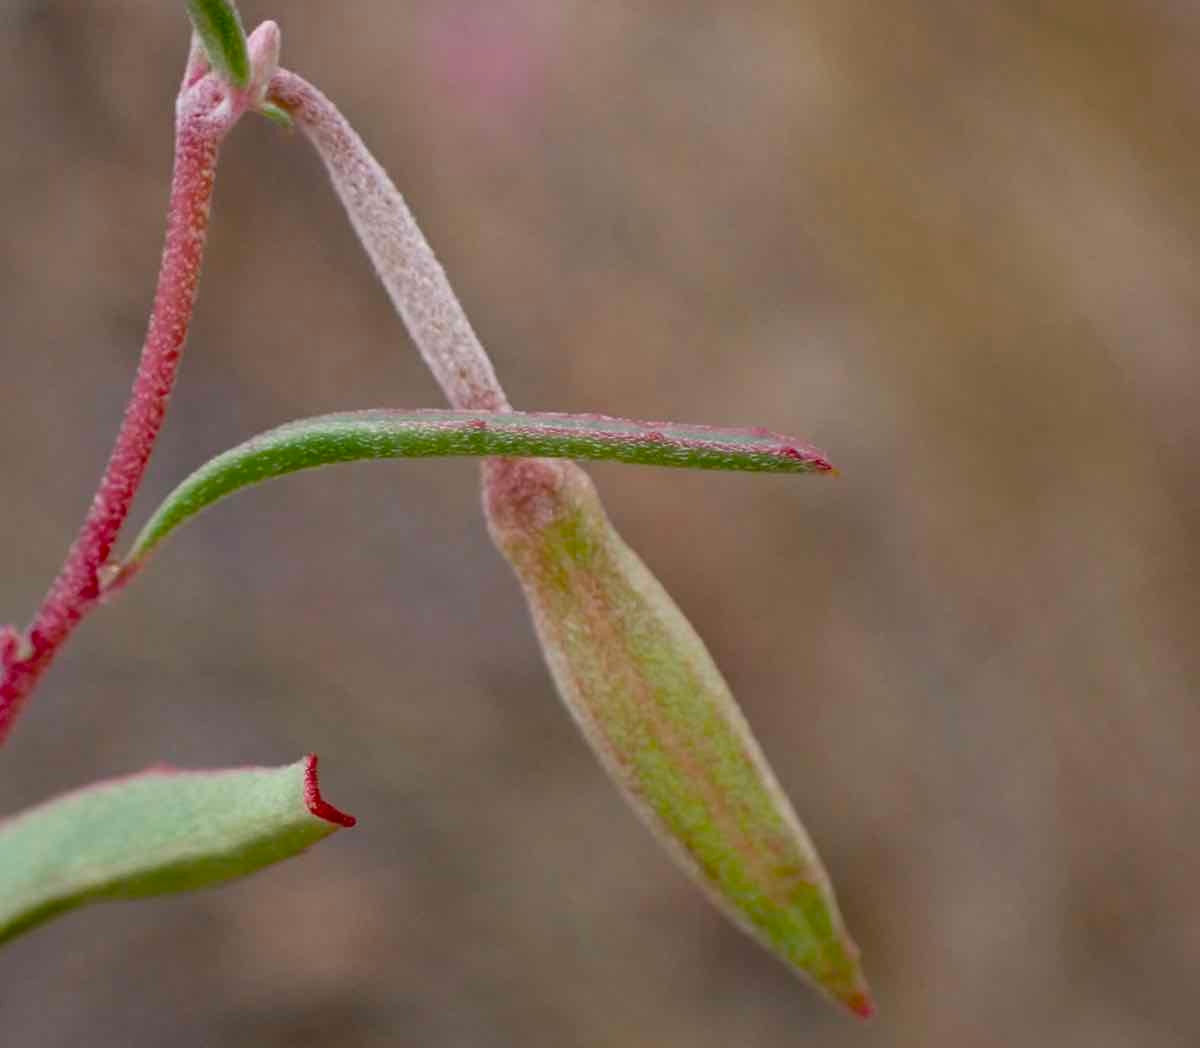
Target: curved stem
{"type": "Point", "coordinates": [205, 113]}
{"type": "Point", "coordinates": [402, 257]}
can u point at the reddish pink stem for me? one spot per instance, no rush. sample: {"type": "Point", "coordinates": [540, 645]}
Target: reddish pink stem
{"type": "Point", "coordinates": [205, 113]}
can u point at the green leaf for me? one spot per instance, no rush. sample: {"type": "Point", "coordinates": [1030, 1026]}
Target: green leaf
{"type": "Point", "coordinates": [277, 115]}
{"type": "Point", "coordinates": [158, 832]}
{"type": "Point", "coordinates": [653, 706]}
{"type": "Point", "coordinates": [420, 434]}
{"type": "Point", "coordinates": [219, 27]}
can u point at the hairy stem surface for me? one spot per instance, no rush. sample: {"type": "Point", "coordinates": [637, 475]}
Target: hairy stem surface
{"type": "Point", "coordinates": [402, 257]}
{"type": "Point", "coordinates": [205, 113]}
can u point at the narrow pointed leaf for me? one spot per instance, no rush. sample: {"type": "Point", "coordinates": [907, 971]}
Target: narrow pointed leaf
{"type": "Point", "coordinates": [419, 434]}
{"type": "Point", "coordinates": [219, 28]}
{"type": "Point", "coordinates": [158, 832]}
{"type": "Point", "coordinates": [652, 704]}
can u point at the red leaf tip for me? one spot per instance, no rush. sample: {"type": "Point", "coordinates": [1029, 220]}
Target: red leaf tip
{"type": "Point", "coordinates": [860, 1004]}
{"type": "Point", "coordinates": [317, 804]}
{"type": "Point", "coordinates": [809, 455]}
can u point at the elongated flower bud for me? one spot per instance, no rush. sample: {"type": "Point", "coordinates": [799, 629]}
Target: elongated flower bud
{"type": "Point", "coordinates": [644, 690]}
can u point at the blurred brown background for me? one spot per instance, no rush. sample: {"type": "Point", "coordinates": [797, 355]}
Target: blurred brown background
{"type": "Point", "coordinates": [953, 244]}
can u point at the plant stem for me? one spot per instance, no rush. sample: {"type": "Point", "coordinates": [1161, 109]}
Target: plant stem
{"type": "Point", "coordinates": [414, 279]}
{"type": "Point", "coordinates": [405, 262]}
{"type": "Point", "coordinates": [206, 111]}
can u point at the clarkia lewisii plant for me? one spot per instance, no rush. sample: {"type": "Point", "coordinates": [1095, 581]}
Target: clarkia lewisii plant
{"type": "Point", "coordinates": [631, 670]}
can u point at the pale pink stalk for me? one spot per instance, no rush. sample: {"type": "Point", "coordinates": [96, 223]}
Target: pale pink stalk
{"type": "Point", "coordinates": [402, 257]}
{"type": "Point", "coordinates": [409, 270]}
{"type": "Point", "coordinates": [206, 111]}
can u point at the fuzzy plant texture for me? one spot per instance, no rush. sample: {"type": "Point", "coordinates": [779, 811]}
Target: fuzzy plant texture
{"type": "Point", "coordinates": [631, 671]}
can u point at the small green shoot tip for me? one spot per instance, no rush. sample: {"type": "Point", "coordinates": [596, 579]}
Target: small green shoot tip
{"type": "Point", "coordinates": [277, 115]}
{"type": "Point", "coordinates": [223, 38]}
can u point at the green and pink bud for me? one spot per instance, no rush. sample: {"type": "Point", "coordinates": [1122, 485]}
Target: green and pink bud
{"type": "Point", "coordinates": [641, 685]}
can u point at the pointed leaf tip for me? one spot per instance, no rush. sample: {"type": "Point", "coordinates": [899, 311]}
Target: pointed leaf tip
{"type": "Point", "coordinates": [223, 38]}
{"type": "Point", "coordinates": [860, 1004]}
{"type": "Point", "coordinates": [317, 804]}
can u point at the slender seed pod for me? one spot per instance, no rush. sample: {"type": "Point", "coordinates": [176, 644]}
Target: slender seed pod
{"type": "Point", "coordinates": [650, 701]}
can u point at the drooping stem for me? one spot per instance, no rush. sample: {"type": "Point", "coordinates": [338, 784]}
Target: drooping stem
{"type": "Point", "coordinates": [414, 279]}
{"type": "Point", "coordinates": [206, 111]}
{"type": "Point", "coordinates": [402, 257]}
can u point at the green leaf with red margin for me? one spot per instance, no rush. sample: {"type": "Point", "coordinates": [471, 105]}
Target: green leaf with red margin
{"type": "Point", "coordinates": [354, 436]}
{"type": "Point", "coordinates": [155, 833]}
